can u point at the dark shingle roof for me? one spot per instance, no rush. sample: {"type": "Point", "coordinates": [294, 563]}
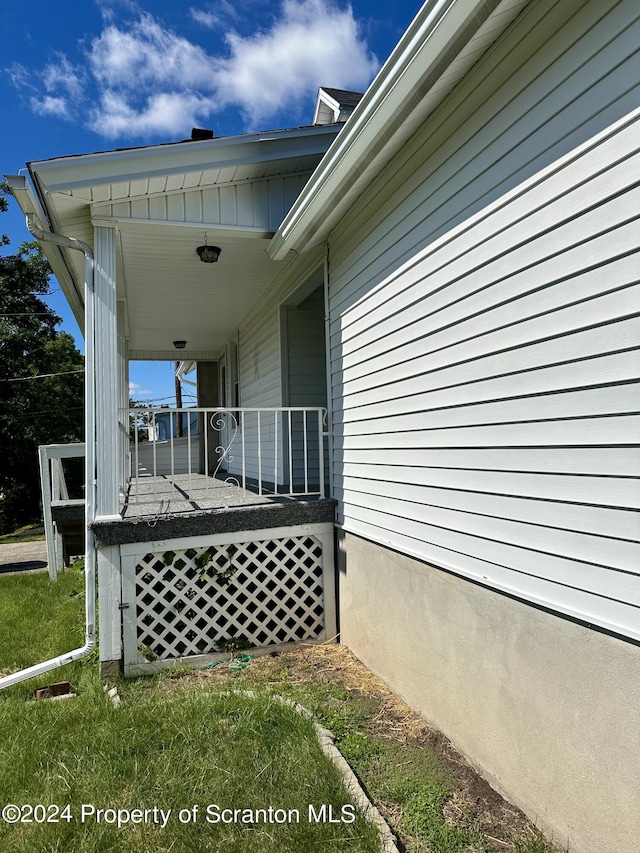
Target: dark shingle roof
{"type": "Point", "coordinates": [344, 97]}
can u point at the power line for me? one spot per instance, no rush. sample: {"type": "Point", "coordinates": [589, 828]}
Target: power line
{"type": "Point", "coordinates": [43, 376]}
{"type": "Point", "coordinates": [48, 412]}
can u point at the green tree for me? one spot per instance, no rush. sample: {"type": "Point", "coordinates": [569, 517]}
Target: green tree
{"type": "Point", "coordinates": [41, 383]}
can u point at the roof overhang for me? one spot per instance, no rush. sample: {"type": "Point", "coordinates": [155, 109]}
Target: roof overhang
{"type": "Point", "coordinates": [441, 45]}
{"type": "Point", "coordinates": [161, 200]}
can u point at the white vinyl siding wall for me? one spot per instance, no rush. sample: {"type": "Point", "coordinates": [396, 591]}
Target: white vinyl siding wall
{"type": "Point", "coordinates": [260, 366]}
{"type": "Point", "coordinates": [306, 382]}
{"type": "Point", "coordinates": [484, 306]}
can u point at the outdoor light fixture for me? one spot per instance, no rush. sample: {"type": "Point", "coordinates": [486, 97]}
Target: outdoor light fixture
{"type": "Point", "coordinates": [179, 344]}
{"type": "Point", "coordinates": [208, 254]}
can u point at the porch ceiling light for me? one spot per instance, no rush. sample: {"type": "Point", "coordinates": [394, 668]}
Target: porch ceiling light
{"type": "Point", "coordinates": [208, 254]}
{"type": "Point", "coordinates": [179, 344]}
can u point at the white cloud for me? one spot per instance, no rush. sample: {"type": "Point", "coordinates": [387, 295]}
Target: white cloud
{"type": "Point", "coordinates": [49, 106]}
{"type": "Point", "coordinates": [162, 113]}
{"type": "Point", "coordinates": [148, 54]}
{"type": "Point", "coordinates": [20, 77]}
{"type": "Point", "coordinates": [217, 16]}
{"type": "Point", "coordinates": [136, 391]}
{"type": "Point", "coordinates": [313, 44]}
{"type": "Point", "coordinates": [146, 80]}
{"type": "Point", "coordinates": [62, 75]}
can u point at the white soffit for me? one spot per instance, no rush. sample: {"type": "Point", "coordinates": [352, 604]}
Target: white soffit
{"type": "Point", "coordinates": [78, 192]}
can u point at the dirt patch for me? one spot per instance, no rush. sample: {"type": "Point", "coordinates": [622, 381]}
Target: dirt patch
{"type": "Point", "coordinates": [497, 824]}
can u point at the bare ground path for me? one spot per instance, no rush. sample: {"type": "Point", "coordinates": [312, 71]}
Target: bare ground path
{"type": "Point", "coordinates": [23, 557]}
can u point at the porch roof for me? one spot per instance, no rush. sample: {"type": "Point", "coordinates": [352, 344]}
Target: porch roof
{"type": "Point", "coordinates": [162, 200]}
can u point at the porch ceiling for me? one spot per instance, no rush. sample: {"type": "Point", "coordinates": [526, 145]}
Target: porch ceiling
{"type": "Point", "coordinates": [171, 295]}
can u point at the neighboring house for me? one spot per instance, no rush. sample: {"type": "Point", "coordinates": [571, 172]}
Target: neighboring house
{"type": "Point", "coordinates": [169, 426]}
{"type": "Point", "coordinates": [459, 270]}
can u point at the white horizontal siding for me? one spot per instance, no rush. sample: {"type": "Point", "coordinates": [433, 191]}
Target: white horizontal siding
{"type": "Point", "coordinates": [492, 136]}
{"type": "Point", "coordinates": [485, 325]}
{"type": "Point", "coordinates": [260, 364]}
{"type": "Point", "coordinates": [164, 458]}
{"type": "Point", "coordinates": [612, 614]}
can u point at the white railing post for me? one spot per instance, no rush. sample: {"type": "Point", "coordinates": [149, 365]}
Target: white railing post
{"type": "Point", "coordinates": [290, 438]}
{"type": "Point", "coordinates": [54, 488]}
{"type": "Point", "coordinates": [47, 497]}
{"type": "Point", "coordinates": [321, 416]}
{"type": "Point", "coordinates": [259, 456]}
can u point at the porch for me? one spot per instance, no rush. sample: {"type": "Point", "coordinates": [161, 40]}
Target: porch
{"type": "Point", "coordinates": [224, 539]}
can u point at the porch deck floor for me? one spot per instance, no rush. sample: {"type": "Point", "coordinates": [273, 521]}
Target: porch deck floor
{"type": "Point", "coordinates": [189, 493]}
{"type": "Point", "coordinates": [194, 505]}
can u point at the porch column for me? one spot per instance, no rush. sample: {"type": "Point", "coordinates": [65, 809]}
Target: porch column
{"type": "Point", "coordinates": [208, 398]}
{"type": "Point", "coordinates": [123, 383]}
{"type": "Point", "coordinates": [107, 390]}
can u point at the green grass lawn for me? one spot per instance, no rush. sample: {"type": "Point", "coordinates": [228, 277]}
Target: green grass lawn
{"type": "Point", "coordinates": [40, 620]}
{"type": "Point", "coordinates": [220, 770]}
{"type": "Point", "coordinates": [29, 533]}
{"type": "Point", "coordinates": [181, 741]}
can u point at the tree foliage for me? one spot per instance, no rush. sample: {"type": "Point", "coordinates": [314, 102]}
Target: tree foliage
{"type": "Point", "coordinates": [43, 410]}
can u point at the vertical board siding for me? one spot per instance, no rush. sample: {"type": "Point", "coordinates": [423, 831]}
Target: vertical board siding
{"type": "Point", "coordinates": [306, 362]}
{"type": "Point", "coordinates": [252, 204]}
{"type": "Point", "coordinates": [484, 329]}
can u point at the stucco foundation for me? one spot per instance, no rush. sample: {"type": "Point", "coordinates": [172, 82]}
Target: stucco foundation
{"type": "Point", "coordinates": [548, 710]}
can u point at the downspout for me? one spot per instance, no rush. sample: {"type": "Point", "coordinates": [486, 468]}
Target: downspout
{"type": "Point", "coordinates": [90, 470]}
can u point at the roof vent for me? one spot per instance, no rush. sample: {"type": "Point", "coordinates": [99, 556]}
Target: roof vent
{"type": "Point", "coordinates": [201, 133]}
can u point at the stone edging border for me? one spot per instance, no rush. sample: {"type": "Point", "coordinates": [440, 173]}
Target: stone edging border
{"type": "Point", "coordinates": [351, 782]}
{"type": "Point", "coordinates": [328, 746]}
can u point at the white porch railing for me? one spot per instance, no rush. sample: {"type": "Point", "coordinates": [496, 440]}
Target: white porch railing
{"type": "Point", "coordinates": [270, 451]}
{"type": "Point", "coordinates": [54, 488]}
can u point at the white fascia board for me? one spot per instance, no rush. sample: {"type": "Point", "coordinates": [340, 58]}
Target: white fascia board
{"type": "Point", "coordinates": [434, 39]}
{"type": "Point", "coordinates": [68, 173]}
{"type": "Point", "coordinates": [28, 203]}
{"type": "Point", "coordinates": [31, 207]}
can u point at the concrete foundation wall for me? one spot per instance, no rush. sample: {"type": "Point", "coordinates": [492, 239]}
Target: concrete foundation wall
{"type": "Point", "coordinates": [548, 710]}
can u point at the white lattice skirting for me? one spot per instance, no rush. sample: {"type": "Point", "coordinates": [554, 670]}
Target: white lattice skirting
{"type": "Point", "coordinates": [229, 593]}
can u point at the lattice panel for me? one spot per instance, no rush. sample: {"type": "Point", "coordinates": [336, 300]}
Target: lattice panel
{"type": "Point", "coordinates": [196, 600]}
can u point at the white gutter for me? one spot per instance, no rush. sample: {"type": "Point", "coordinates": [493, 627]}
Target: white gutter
{"type": "Point", "coordinates": [66, 173]}
{"type": "Point", "coordinates": [29, 206]}
{"type": "Point", "coordinates": [406, 89]}
{"type": "Point", "coordinates": [186, 367]}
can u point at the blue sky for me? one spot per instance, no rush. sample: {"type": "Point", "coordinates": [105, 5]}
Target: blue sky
{"type": "Point", "coordinates": [91, 75]}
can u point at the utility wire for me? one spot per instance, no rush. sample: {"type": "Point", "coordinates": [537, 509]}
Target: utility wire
{"type": "Point", "coordinates": [43, 376]}
{"type": "Point", "coordinates": [48, 412]}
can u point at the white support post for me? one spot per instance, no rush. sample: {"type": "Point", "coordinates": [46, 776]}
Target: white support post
{"type": "Point", "coordinates": [123, 385]}
{"type": "Point", "coordinates": [110, 597]}
{"type": "Point", "coordinates": [107, 378]}
{"type": "Point", "coordinates": [49, 531]}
